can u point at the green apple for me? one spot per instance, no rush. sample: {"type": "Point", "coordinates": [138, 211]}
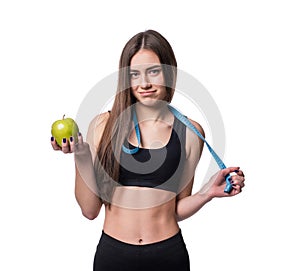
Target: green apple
{"type": "Point", "coordinates": [64, 128]}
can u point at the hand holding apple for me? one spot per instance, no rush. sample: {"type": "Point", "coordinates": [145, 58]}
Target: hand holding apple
{"type": "Point", "coordinates": [68, 129]}
{"type": "Point", "coordinates": [64, 128]}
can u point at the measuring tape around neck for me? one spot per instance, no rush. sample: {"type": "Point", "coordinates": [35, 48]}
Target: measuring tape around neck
{"type": "Point", "coordinates": [187, 123]}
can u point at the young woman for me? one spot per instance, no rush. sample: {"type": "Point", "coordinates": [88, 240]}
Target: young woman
{"type": "Point", "coordinates": [143, 177]}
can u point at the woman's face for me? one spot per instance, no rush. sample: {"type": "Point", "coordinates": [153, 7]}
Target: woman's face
{"type": "Point", "coordinates": [146, 77]}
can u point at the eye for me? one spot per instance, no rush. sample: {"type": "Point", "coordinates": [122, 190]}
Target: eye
{"type": "Point", "coordinates": [154, 72]}
{"type": "Point", "coordinates": [134, 75]}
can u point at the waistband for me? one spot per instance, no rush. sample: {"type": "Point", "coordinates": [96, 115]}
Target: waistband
{"type": "Point", "coordinates": [171, 241]}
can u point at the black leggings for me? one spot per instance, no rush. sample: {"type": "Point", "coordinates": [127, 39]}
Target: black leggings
{"type": "Point", "coordinates": [167, 255]}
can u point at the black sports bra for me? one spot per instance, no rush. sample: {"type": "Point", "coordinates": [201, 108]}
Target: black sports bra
{"type": "Point", "coordinates": [156, 168]}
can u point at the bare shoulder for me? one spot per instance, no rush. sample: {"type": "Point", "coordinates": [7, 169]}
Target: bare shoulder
{"type": "Point", "coordinates": [194, 145]}
{"type": "Point", "coordinates": [96, 128]}
{"type": "Point", "coordinates": [198, 126]}
{"type": "Point", "coordinates": [99, 121]}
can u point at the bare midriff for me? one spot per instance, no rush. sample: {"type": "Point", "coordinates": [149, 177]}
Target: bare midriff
{"type": "Point", "coordinates": [140, 215]}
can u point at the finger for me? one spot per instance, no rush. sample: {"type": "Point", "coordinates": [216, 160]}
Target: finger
{"type": "Point", "coordinates": [240, 173]}
{"type": "Point", "coordinates": [80, 138]}
{"type": "Point", "coordinates": [238, 180]}
{"type": "Point", "coordinates": [72, 144]}
{"type": "Point", "coordinates": [54, 144]}
{"type": "Point", "coordinates": [229, 170]}
{"type": "Point", "coordinates": [237, 189]}
{"type": "Point", "coordinates": [65, 146]}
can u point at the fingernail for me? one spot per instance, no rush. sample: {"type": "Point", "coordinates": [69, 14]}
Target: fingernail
{"type": "Point", "coordinates": [71, 138]}
{"type": "Point", "coordinates": [52, 138]}
{"type": "Point", "coordinates": [79, 134]}
{"type": "Point", "coordinates": [64, 140]}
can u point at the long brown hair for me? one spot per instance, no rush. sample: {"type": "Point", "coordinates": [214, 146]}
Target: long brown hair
{"type": "Point", "coordinates": [118, 124]}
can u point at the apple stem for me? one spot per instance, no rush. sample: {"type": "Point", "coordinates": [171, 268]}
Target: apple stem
{"type": "Point", "coordinates": [63, 116]}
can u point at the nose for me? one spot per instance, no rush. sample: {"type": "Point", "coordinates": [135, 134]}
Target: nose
{"type": "Point", "coordinates": [145, 83]}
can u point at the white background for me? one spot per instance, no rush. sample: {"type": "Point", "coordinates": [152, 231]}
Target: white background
{"type": "Point", "coordinates": [246, 54]}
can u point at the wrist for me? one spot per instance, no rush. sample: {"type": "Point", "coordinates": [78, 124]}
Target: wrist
{"type": "Point", "coordinates": [82, 149]}
{"type": "Point", "coordinates": [205, 196]}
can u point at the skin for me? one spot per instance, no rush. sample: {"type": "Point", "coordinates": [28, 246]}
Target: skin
{"type": "Point", "coordinates": [159, 211]}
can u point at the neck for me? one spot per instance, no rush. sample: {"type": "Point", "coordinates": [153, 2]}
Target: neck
{"type": "Point", "coordinates": [157, 112]}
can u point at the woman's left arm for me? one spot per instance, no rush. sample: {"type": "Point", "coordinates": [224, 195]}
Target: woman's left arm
{"type": "Point", "coordinates": [188, 205]}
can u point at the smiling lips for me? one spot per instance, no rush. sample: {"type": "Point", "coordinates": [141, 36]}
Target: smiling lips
{"type": "Point", "coordinates": [147, 93]}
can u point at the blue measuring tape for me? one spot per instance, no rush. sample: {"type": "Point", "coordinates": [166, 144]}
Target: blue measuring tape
{"type": "Point", "coordinates": [187, 123]}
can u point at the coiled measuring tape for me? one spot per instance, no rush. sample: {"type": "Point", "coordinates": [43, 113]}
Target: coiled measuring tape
{"type": "Point", "coordinates": [188, 124]}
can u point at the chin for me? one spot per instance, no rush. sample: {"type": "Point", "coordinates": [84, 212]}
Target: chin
{"type": "Point", "coordinates": [150, 102]}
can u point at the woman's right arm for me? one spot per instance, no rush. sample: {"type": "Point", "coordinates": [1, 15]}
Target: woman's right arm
{"type": "Point", "coordinates": [85, 191]}
{"type": "Point", "coordinates": [85, 180]}
{"type": "Point", "coordinates": [84, 154]}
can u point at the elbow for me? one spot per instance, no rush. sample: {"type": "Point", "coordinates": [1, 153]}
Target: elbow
{"type": "Point", "coordinates": [90, 215]}
{"type": "Point", "coordinates": [89, 209]}
{"type": "Point", "coordinates": [179, 218]}
{"type": "Point", "coordinates": [90, 212]}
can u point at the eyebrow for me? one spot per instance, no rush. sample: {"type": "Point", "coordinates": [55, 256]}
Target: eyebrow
{"type": "Point", "coordinates": [149, 68]}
